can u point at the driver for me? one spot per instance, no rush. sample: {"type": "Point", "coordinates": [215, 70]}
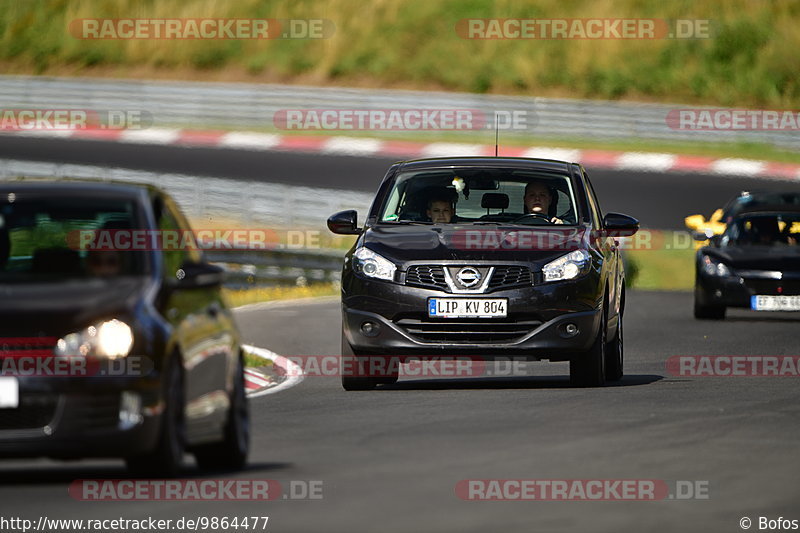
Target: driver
{"type": "Point", "coordinates": [541, 199]}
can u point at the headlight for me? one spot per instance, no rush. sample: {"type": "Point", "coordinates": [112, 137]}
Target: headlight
{"type": "Point", "coordinates": [372, 265]}
{"type": "Point", "coordinates": [569, 266]}
{"type": "Point", "coordinates": [712, 267]}
{"type": "Point", "coordinates": [111, 339]}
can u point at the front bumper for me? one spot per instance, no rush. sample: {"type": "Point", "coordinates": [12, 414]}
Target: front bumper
{"type": "Point", "coordinates": [737, 291]}
{"type": "Point", "coordinates": [535, 327]}
{"type": "Point", "coordinates": [73, 418]}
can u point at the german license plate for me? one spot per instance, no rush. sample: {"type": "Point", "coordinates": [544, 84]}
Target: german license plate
{"type": "Point", "coordinates": [467, 307]}
{"type": "Point", "coordinates": [9, 393]}
{"type": "Point", "coordinates": [775, 303]}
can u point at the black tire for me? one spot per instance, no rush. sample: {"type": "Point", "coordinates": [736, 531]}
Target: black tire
{"type": "Point", "coordinates": [349, 363]}
{"type": "Point", "coordinates": [615, 355]}
{"type": "Point", "coordinates": [588, 369]}
{"type": "Point", "coordinates": [703, 311]}
{"type": "Point", "coordinates": [392, 373]}
{"type": "Point", "coordinates": [231, 452]}
{"type": "Point", "coordinates": [708, 312]}
{"type": "Point", "coordinates": [166, 459]}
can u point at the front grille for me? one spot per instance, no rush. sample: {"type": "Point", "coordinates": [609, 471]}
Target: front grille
{"type": "Point", "coordinates": [510, 276]}
{"type": "Point", "coordinates": [26, 346]}
{"type": "Point", "coordinates": [33, 412]}
{"type": "Point", "coordinates": [504, 277]}
{"type": "Point", "coordinates": [467, 331]}
{"type": "Point", "coordinates": [426, 276]}
{"type": "Point", "coordinates": [96, 412]}
{"type": "Point", "coordinates": [770, 286]}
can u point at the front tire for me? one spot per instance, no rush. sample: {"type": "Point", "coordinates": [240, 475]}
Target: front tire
{"type": "Point", "coordinates": [231, 452]}
{"type": "Point", "coordinates": [615, 356]}
{"type": "Point", "coordinates": [166, 459]}
{"type": "Point", "coordinates": [703, 311]}
{"type": "Point", "coordinates": [588, 369]}
{"type": "Point", "coordinates": [349, 364]}
{"type": "Point", "coordinates": [708, 312]}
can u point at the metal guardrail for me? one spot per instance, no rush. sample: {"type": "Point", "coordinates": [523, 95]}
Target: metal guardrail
{"type": "Point", "coordinates": [240, 105]}
{"type": "Point", "coordinates": [253, 205]}
{"type": "Point", "coordinates": [255, 268]}
{"type": "Point", "coordinates": [249, 205]}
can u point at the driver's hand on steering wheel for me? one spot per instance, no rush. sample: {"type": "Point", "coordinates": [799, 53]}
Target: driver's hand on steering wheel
{"type": "Point", "coordinates": [556, 220]}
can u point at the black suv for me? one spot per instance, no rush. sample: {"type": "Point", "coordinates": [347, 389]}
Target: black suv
{"type": "Point", "coordinates": [484, 258]}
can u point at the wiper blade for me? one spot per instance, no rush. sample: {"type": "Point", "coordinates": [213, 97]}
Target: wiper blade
{"type": "Point", "coordinates": [407, 222]}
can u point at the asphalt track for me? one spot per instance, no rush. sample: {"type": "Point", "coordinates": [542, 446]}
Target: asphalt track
{"type": "Point", "coordinates": [390, 459]}
{"type": "Point", "coordinates": [660, 201]}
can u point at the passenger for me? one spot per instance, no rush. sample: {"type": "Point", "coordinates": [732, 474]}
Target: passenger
{"type": "Point", "coordinates": [541, 199]}
{"type": "Point", "coordinates": [103, 263]}
{"type": "Point", "coordinates": [441, 207]}
{"type": "Point", "coordinates": [764, 230]}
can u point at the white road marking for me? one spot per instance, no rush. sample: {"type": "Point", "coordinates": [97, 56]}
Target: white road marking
{"type": "Point", "coordinates": [150, 136]}
{"type": "Point", "coordinates": [293, 371]}
{"type": "Point", "coordinates": [250, 141]}
{"type": "Point", "coordinates": [738, 167]}
{"type": "Point", "coordinates": [645, 161]}
{"type": "Point", "coordinates": [559, 154]}
{"type": "Point", "coordinates": [351, 146]}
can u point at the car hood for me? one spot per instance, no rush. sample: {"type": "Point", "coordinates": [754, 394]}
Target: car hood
{"type": "Point", "coordinates": [457, 242]}
{"type": "Point", "coordinates": [58, 308]}
{"type": "Point", "coordinates": [783, 258]}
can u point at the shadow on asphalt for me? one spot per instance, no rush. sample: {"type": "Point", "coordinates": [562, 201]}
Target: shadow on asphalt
{"type": "Point", "coordinates": [56, 473]}
{"type": "Point", "coordinates": [518, 382]}
{"type": "Point", "coordinates": [760, 318]}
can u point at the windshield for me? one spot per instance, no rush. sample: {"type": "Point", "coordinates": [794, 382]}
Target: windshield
{"type": "Point", "coordinates": [763, 229]}
{"type": "Point", "coordinates": [481, 196]}
{"type": "Point", "coordinates": [41, 239]}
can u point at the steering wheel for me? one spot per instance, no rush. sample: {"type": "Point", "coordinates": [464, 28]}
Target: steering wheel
{"type": "Point", "coordinates": [531, 215]}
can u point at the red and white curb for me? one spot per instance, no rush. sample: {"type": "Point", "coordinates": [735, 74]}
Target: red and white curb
{"type": "Point", "coordinates": [365, 147]}
{"type": "Point", "coordinates": [259, 384]}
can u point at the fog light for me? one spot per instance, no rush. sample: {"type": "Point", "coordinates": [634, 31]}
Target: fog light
{"type": "Point", "coordinates": [571, 330]}
{"type": "Point", "coordinates": [130, 410]}
{"type": "Point", "coordinates": [370, 329]}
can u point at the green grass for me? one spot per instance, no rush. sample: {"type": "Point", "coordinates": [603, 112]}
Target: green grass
{"type": "Point", "coordinates": [251, 360]}
{"type": "Point", "coordinates": [750, 61]}
{"type": "Point", "coordinates": [662, 269]}
{"type": "Point", "coordinates": [236, 298]}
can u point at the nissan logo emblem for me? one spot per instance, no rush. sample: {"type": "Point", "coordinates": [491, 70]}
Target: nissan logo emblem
{"type": "Point", "coordinates": [468, 276]}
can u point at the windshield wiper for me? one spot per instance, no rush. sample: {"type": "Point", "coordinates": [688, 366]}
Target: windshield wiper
{"type": "Point", "coordinates": [407, 222]}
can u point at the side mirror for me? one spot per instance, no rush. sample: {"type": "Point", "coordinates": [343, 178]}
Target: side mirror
{"type": "Point", "coordinates": [619, 225]}
{"type": "Point", "coordinates": [198, 275]}
{"type": "Point", "coordinates": [702, 235]}
{"type": "Point", "coordinates": [344, 223]}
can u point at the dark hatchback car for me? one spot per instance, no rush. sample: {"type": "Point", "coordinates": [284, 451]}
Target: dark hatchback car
{"type": "Point", "coordinates": [754, 264]}
{"type": "Point", "coordinates": [519, 263]}
{"type": "Point", "coordinates": [115, 339]}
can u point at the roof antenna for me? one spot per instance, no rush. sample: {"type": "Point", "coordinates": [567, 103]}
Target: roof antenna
{"type": "Point", "coordinates": [496, 133]}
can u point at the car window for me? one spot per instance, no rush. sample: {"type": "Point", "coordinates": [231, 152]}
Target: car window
{"type": "Point", "coordinates": [479, 196]}
{"type": "Point", "coordinates": [594, 205]}
{"type": "Point", "coordinates": [178, 242]}
{"type": "Point", "coordinates": [763, 229]}
{"type": "Point", "coordinates": [51, 238]}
